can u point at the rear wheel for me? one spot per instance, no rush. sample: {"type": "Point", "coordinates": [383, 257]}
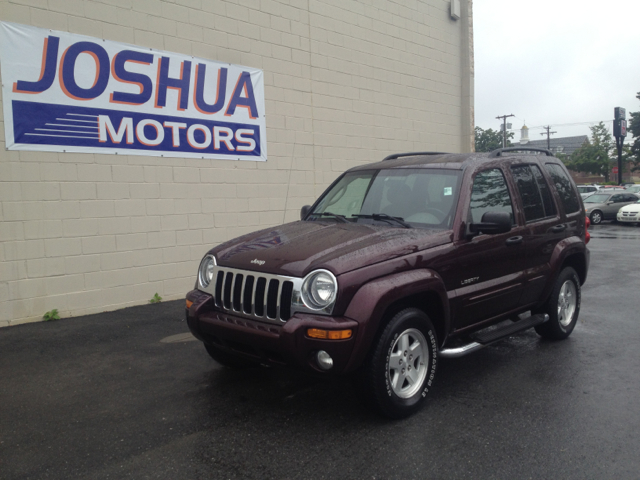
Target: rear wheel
{"type": "Point", "coordinates": [402, 365]}
{"type": "Point", "coordinates": [563, 306]}
{"type": "Point", "coordinates": [227, 359]}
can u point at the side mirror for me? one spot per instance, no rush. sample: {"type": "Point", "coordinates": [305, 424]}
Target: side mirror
{"type": "Point", "coordinates": [492, 223]}
{"type": "Point", "coordinates": [304, 210]}
{"type": "Point", "coordinates": [609, 203]}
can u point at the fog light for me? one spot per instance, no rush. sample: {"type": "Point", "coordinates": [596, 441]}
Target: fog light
{"type": "Point", "coordinates": [325, 362]}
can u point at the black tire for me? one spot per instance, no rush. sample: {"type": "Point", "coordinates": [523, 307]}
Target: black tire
{"type": "Point", "coordinates": [412, 328]}
{"type": "Point", "coordinates": [596, 217]}
{"type": "Point", "coordinates": [227, 359]}
{"type": "Point", "coordinates": [563, 306]}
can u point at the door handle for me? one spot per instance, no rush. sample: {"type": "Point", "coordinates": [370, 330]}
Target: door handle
{"type": "Point", "coordinates": [514, 240]}
{"type": "Point", "coordinates": [558, 228]}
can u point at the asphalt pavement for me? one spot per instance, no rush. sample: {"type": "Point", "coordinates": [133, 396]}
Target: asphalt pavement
{"type": "Point", "coordinates": [130, 394]}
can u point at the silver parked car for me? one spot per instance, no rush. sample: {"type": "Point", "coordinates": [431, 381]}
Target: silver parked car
{"type": "Point", "coordinates": [605, 206]}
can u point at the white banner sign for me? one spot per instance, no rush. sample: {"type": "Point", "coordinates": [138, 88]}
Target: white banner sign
{"type": "Point", "coordinates": [72, 93]}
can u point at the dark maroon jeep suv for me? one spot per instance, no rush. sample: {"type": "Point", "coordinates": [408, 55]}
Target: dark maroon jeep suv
{"type": "Point", "coordinates": [398, 264]}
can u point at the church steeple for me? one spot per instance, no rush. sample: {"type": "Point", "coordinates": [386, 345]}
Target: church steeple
{"type": "Point", "coordinates": [524, 135]}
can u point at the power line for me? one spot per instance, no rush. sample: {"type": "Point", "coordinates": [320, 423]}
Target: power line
{"type": "Point", "coordinates": [571, 124]}
{"type": "Point", "coordinates": [554, 125]}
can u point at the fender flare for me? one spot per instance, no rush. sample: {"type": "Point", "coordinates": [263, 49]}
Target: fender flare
{"type": "Point", "coordinates": [563, 249]}
{"type": "Point", "coordinates": [369, 304]}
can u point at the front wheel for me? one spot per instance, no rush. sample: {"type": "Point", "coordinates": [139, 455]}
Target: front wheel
{"type": "Point", "coordinates": [596, 217]}
{"type": "Point", "coordinates": [563, 307]}
{"type": "Point", "coordinates": [401, 367]}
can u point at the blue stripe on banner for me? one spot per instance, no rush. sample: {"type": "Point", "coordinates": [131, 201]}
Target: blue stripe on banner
{"type": "Point", "coordinates": [49, 124]}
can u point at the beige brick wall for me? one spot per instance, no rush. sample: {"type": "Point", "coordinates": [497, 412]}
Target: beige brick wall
{"type": "Point", "coordinates": [346, 83]}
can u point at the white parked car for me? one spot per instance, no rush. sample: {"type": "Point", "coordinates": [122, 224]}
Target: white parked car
{"type": "Point", "coordinates": [629, 213]}
{"type": "Point", "coordinates": [586, 190]}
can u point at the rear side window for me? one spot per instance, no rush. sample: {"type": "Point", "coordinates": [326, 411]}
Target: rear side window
{"type": "Point", "coordinates": [490, 194]}
{"type": "Point", "coordinates": [563, 186]}
{"type": "Point", "coordinates": [545, 193]}
{"type": "Point", "coordinates": [529, 193]}
{"type": "Point", "coordinates": [534, 191]}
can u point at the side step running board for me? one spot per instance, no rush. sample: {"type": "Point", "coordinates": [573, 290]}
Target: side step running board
{"type": "Point", "coordinates": [486, 338]}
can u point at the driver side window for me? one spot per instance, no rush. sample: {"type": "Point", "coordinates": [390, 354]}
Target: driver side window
{"type": "Point", "coordinates": [347, 200]}
{"type": "Point", "coordinates": [490, 194]}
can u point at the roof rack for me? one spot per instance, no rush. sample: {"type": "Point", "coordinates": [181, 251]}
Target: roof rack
{"type": "Point", "coordinates": [411, 154]}
{"type": "Point", "coordinates": [498, 152]}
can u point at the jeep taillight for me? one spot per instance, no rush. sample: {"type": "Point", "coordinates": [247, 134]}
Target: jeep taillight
{"type": "Point", "coordinates": [587, 235]}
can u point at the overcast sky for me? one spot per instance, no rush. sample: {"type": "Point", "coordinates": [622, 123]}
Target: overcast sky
{"type": "Point", "coordinates": [555, 62]}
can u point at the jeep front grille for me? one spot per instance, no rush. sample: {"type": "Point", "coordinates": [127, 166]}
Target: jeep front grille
{"type": "Point", "coordinates": [252, 294]}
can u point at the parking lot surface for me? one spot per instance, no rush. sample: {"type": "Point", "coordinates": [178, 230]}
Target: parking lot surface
{"type": "Point", "coordinates": [130, 394]}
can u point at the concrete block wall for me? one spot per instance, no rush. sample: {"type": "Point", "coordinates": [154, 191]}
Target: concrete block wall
{"type": "Point", "coordinates": [346, 83]}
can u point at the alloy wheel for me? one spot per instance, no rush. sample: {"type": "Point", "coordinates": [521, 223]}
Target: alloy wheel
{"type": "Point", "coordinates": [567, 301]}
{"type": "Point", "coordinates": [408, 363]}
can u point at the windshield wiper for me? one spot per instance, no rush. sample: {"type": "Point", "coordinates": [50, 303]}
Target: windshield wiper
{"type": "Point", "coordinates": [385, 217]}
{"type": "Point", "coordinates": [342, 218]}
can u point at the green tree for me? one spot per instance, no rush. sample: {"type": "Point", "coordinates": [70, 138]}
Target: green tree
{"type": "Point", "coordinates": [634, 128]}
{"type": "Point", "coordinates": [489, 139]}
{"type": "Point", "coordinates": [596, 156]}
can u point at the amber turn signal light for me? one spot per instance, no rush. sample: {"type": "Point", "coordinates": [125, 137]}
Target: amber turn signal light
{"type": "Point", "coordinates": [189, 303]}
{"type": "Point", "coordinates": [329, 334]}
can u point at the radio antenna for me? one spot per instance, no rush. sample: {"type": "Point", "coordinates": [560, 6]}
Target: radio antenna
{"type": "Point", "coordinates": [286, 198]}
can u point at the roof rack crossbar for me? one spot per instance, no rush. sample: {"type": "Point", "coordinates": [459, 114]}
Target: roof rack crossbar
{"type": "Point", "coordinates": [498, 151]}
{"type": "Point", "coordinates": [411, 154]}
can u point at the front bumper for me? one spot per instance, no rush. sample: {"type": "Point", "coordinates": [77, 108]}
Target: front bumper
{"type": "Point", "coordinates": [285, 343]}
{"type": "Point", "coordinates": [629, 218]}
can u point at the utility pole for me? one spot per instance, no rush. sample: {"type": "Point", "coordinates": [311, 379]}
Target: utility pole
{"type": "Point", "coordinates": [504, 128]}
{"type": "Point", "coordinates": [620, 132]}
{"type": "Point", "coordinates": [548, 134]}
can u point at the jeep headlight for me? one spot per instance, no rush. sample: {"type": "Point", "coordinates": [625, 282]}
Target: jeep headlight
{"type": "Point", "coordinates": [319, 290]}
{"type": "Point", "coordinates": [205, 272]}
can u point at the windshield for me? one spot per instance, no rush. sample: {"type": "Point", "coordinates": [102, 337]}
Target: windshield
{"type": "Point", "coordinates": [586, 189]}
{"type": "Point", "coordinates": [422, 198]}
{"type": "Point", "coordinates": [597, 198]}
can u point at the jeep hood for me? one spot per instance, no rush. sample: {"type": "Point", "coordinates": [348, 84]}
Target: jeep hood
{"type": "Point", "coordinates": [295, 249]}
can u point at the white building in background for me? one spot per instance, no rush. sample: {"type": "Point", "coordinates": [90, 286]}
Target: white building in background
{"type": "Point", "coordinates": [84, 230]}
